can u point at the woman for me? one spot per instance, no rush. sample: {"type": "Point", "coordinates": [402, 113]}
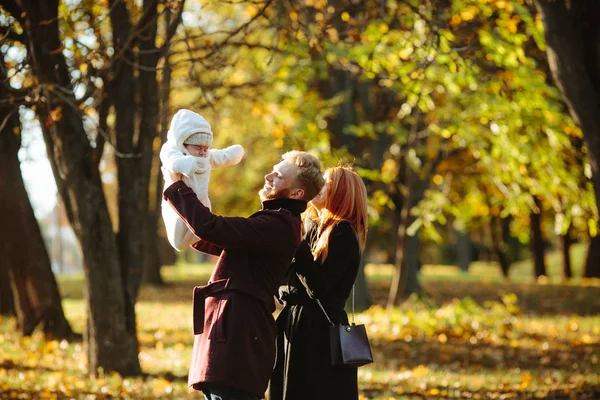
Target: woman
{"type": "Point", "coordinates": [325, 268]}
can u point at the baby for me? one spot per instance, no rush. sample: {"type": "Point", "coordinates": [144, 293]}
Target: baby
{"type": "Point", "coordinates": [187, 151]}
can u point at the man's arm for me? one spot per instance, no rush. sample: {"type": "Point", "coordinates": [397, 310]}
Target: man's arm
{"type": "Point", "coordinates": [262, 233]}
{"type": "Point", "coordinates": [206, 247]}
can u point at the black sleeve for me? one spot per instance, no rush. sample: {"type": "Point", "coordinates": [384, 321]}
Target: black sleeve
{"type": "Point", "coordinates": [343, 257]}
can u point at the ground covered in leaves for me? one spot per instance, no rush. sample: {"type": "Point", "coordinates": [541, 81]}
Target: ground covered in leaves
{"type": "Point", "coordinates": [469, 337]}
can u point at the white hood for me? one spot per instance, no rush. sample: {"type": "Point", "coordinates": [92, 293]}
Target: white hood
{"type": "Point", "coordinates": [184, 124]}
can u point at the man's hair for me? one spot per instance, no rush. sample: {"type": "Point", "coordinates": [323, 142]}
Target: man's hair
{"type": "Point", "coordinates": [309, 176]}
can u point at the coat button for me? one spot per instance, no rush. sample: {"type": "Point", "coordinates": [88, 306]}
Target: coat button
{"type": "Point", "coordinates": [348, 329]}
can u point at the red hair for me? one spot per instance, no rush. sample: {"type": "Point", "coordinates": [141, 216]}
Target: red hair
{"type": "Point", "coordinates": [345, 200]}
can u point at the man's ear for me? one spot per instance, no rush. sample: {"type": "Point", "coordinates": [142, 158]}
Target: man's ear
{"type": "Point", "coordinates": [297, 194]}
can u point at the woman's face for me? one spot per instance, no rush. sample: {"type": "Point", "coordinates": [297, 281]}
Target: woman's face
{"type": "Point", "coordinates": [319, 200]}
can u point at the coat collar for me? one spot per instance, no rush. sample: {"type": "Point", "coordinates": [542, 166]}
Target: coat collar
{"type": "Point", "coordinates": [296, 207]}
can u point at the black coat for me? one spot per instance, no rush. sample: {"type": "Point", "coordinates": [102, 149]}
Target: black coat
{"type": "Point", "coordinates": [303, 367]}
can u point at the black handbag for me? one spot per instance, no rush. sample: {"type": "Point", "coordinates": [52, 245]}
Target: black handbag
{"type": "Point", "coordinates": [349, 344]}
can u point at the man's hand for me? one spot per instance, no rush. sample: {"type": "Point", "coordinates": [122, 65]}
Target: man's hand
{"type": "Point", "coordinates": [170, 176]}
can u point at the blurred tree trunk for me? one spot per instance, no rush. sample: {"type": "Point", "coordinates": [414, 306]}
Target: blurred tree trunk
{"type": "Point", "coordinates": [405, 278]}
{"type": "Point", "coordinates": [153, 259]}
{"type": "Point", "coordinates": [362, 298]}
{"type": "Point", "coordinates": [110, 344]}
{"type": "Point", "coordinates": [572, 37]}
{"type": "Point", "coordinates": [592, 264]}
{"type": "Point", "coordinates": [132, 193]}
{"type": "Point", "coordinates": [23, 255]}
{"type": "Point", "coordinates": [413, 263]}
{"type": "Point", "coordinates": [499, 245]}
{"type": "Point", "coordinates": [536, 241]}
{"type": "Point", "coordinates": [465, 251]}
{"type": "Point", "coordinates": [565, 248]}
{"type": "Point", "coordinates": [7, 304]}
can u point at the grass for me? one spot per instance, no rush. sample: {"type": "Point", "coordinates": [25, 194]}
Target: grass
{"type": "Point", "coordinates": [474, 336]}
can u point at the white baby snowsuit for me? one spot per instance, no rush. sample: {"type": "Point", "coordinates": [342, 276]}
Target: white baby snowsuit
{"type": "Point", "coordinates": [195, 170]}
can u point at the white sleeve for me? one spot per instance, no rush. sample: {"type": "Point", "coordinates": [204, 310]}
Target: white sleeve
{"type": "Point", "coordinates": [174, 159]}
{"type": "Point", "coordinates": [202, 165]}
{"type": "Point", "coordinates": [225, 157]}
{"type": "Point", "coordinates": [178, 234]}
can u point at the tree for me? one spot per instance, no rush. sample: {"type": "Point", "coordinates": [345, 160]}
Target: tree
{"type": "Point", "coordinates": [7, 305]}
{"type": "Point", "coordinates": [572, 46]}
{"type": "Point", "coordinates": [110, 344]}
{"type": "Point", "coordinates": [24, 260]}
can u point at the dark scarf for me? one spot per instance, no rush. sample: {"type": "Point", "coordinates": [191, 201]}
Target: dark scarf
{"type": "Point", "coordinates": [296, 207]}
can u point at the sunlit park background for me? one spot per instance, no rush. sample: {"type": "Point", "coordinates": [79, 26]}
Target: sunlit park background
{"type": "Point", "coordinates": [475, 125]}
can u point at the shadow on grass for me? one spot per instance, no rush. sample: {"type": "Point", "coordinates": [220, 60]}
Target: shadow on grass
{"type": "Point", "coordinates": [536, 299]}
{"type": "Point", "coordinates": [460, 353]}
{"type": "Point", "coordinates": [7, 364]}
{"type": "Point", "coordinates": [582, 392]}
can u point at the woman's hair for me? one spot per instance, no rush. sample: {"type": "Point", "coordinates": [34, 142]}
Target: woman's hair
{"type": "Point", "coordinates": [345, 200]}
{"type": "Point", "coordinates": [309, 172]}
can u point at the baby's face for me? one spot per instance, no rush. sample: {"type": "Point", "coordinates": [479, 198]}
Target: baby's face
{"type": "Point", "coordinates": [197, 150]}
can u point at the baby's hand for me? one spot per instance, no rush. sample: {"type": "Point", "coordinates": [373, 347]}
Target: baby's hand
{"type": "Point", "coordinates": [202, 164]}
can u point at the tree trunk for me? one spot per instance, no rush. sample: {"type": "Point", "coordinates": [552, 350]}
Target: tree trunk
{"type": "Point", "coordinates": [573, 47]}
{"type": "Point", "coordinates": [592, 261]}
{"type": "Point", "coordinates": [23, 251]}
{"type": "Point", "coordinates": [153, 259]}
{"type": "Point", "coordinates": [499, 246]}
{"type": "Point", "coordinates": [405, 278]}
{"type": "Point", "coordinates": [25, 259]}
{"type": "Point", "coordinates": [362, 299]}
{"type": "Point", "coordinates": [565, 247]}
{"type": "Point", "coordinates": [536, 241]}
{"type": "Point", "coordinates": [7, 304]}
{"type": "Point", "coordinates": [413, 263]}
{"type": "Point", "coordinates": [465, 252]}
{"type": "Point", "coordinates": [132, 187]}
{"type": "Point", "coordinates": [111, 345]}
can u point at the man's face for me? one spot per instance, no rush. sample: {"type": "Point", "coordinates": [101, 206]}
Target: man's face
{"type": "Point", "coordinates": [279, 182]}
{"type": "Point", "coordinates": [197, 150]}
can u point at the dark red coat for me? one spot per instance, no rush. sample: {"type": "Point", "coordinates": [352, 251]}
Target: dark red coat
{"type": "Point", "coordinates": [235, 332]}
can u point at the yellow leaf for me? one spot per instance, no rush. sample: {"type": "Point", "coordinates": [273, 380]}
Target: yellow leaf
{"type": "Point", "coordinates": [526, 379]}
{"type": "Point", "coordinates": [442, 338]}
{"type": "Point", "coordinates": [420, 371]}
{"type": "Point", "coordinates": [467, 14]}
{"type": "Point", "coordinates": [587, 339]}
{"type": "Point", "coordinates": [573, 326]}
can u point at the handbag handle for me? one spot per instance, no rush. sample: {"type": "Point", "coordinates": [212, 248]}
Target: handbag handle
{"type": "Point", "coordinates": [327, 316]}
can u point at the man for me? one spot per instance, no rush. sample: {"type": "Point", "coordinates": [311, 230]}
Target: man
{"type": "Point", "coordinates": [234, 346]}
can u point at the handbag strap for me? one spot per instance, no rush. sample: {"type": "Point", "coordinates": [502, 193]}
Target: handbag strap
{"type": "Point", "coordinates": [327, 316]}
{"type": "Point", "coordinates": [323, 309]}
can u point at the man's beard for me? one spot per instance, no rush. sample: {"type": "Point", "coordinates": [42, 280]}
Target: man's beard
{"type": "Point", "coordinates": [270, 194]}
